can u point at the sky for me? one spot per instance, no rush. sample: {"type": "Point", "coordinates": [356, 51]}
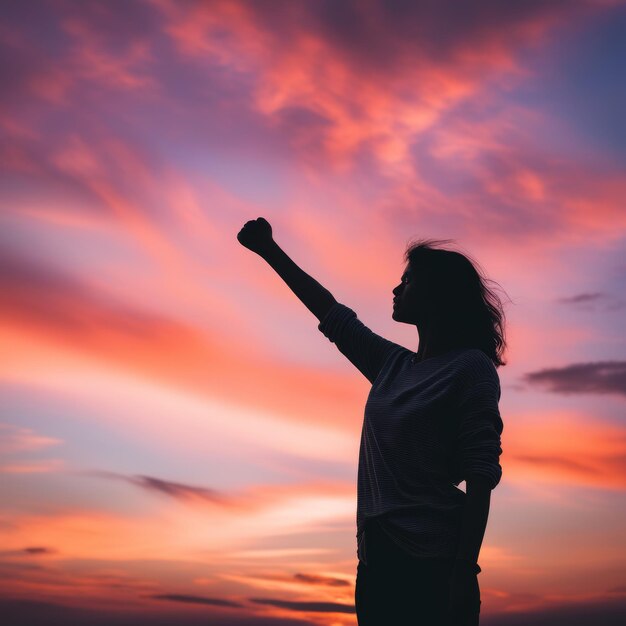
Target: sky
{"type": "Point", "coordinates": [178, 440]}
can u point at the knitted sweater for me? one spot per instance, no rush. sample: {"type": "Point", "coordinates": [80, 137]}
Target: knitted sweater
{"type": "Point", "coordinates": [427, 426]}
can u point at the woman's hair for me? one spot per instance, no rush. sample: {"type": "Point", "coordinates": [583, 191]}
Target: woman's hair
{"type": "Point", "coordinates": [459, 302]}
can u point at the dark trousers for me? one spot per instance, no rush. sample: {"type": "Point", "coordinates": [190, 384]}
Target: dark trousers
{"type": "Point", "coordinates": [397, 589]}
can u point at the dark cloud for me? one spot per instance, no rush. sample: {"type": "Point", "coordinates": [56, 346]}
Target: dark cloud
{"type": "Point", "coordinates": [312, 607]}
{"type": "Point", "coordinates": [179, 491]}
{"type": "Point", "coordinates": [34, 613]}
{"type": "Point", "coordinates": [28, 551]}
{"type": "Point", "coordinates": [595, 377]}
{"type": "Point", "coordinates": [583, 298]}
{"type": "Point", "coordinates": [608, 612]}
{"type": "Point", "coordinates": [36, 550]}
{"type": "Point", "coordinates": [592, 299]}
{"type": "Point", "coordinates": [321, 580]}
{"type": "Point", "coordinates": [196, 600]}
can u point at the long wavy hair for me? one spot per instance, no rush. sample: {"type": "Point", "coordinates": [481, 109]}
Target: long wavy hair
{"type": "Point", "coordinates": [458, 299]}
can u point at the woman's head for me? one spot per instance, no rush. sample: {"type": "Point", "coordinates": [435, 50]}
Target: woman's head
{"type": "Point", "coordinates": [443, 292]}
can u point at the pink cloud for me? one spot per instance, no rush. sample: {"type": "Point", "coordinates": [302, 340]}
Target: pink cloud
{"type": "Point", "coordinates": [44, 466]}
{"type": "Point", "coordinates": [376, 101]}
{"type": "Point", "coordinates": [15, 439]}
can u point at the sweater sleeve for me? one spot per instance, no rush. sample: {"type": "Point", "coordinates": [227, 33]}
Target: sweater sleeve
{"type": "Point", "coordinates": [366, 350]}
{"type": "Point", "coordinates": [480, 424]}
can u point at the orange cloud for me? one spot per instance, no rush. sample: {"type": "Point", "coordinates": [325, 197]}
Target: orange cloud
{"type": "Point", "coordinates": [377, 102]}
{"type": "Point", "coordinates": [76, 319]}
{"type": "Point", "coordinates": [564, 447]}
{"type": "Point", "coordinates": [155, 551]}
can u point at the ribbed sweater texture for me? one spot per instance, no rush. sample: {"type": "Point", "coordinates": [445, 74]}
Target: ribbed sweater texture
{"type": "Point", "coordinates": [427, 427]}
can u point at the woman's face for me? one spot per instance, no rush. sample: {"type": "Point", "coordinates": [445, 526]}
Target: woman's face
{"type": "Point", "coordinates": [409, 298]}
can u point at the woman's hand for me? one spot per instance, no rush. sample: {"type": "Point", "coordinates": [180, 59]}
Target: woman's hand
{"type": "Point", "coordinates": [256, 235]}
{"type": "Point", "coordinates": [464, 598]}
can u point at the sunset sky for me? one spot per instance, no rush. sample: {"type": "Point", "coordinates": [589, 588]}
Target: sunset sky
{"type": "Point", "coordinates": [178, 440]}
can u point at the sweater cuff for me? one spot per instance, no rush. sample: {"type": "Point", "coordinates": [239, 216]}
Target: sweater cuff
{"type": "Point", "coordinates": [335, 320]}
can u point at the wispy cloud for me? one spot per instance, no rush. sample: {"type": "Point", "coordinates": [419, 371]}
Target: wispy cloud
{"type": "Point", "coordinates": [560, 463]}
{"type": "Point", "coordinates": [300, 497]}
{"type": "Point", "coordinates": [17, 439]}
{"type": "Point", "coordinates": [565, 447]}
{"type": "Point", "coordinates": [196, 600]}
{"type": "Point", "coordinates": [314, 579]}
{"type": "Point", "coordinates": [583, 298]}
{"type": "Point", "coordinates": [309, 607]}
{"type": "Point", "coordinates": [37, 550]}
{"type": "Point", "coordinates": [600, 377]}
{"type": "Point", "coordinates": [325, 62]}
{"type": "Point", "coordinates": [608, 302]}
{"type": "Point", "coordinates": [35, 611]}
{"type": "Point", "coordinates": [31, 551]}
{"type": "Point", "coordinates": [178, 491]}
{"type": "Point", "coordinates": [43, 466]}
{"type": "Point", "coordinates": [79, 317]}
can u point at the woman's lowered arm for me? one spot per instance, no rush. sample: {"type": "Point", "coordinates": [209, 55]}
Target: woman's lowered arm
{"type": "Point", "coordinates": [474, 519]}
{"type": "Point", "coordinates": [256, 235]}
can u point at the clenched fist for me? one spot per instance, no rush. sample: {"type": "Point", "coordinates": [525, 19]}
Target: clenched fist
{"type": "Point", "coordinates": [256, 235]}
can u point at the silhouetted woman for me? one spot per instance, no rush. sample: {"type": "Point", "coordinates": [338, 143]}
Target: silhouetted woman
{"type": "Point", "coordinates": [431, 421]}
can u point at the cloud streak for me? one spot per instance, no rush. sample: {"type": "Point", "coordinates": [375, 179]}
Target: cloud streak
{"type": "Point", "coordinates": [37, 550]}
{"type": "Point", "coordinates": [77, 317]}
{"type": "Point", "coordinates": [565, 447]}
{"type": "Point", "coordinates": [334, 71]}
{"type": "Point", "coordinates": [583, 298]}
{"type": "Point", "coordinates": [308, 607]}
{"type": "Point", "coordinates": [600, 377]}
{"type": "Point", "coordinates": [172, 597]}
{"type": "Point", "coordinates": [178, 491]}
{"type": "Point", "coordinates": [314, 579]}
{"type": "Point", "coordinates": [15, 439]}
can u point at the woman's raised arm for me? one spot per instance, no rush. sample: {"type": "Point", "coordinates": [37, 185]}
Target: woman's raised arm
{"type": "Point", "coordinates": [364, 348]}
{"type": "Point", "coordinates": [256, 235]}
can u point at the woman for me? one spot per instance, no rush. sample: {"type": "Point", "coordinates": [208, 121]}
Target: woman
{"type": "Point", "coordinates": [431, 421]}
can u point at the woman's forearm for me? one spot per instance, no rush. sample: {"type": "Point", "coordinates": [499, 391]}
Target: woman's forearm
{"type": "Point", "coordinates": [313, 295]}
{"type": "Point", "coordinates": [474, 521]}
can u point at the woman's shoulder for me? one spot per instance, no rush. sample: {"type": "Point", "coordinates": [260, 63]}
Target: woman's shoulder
{"type": "Point", "coordinates": [474, 360]}
{"type": "Point", "coordinates": [475, 376]}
